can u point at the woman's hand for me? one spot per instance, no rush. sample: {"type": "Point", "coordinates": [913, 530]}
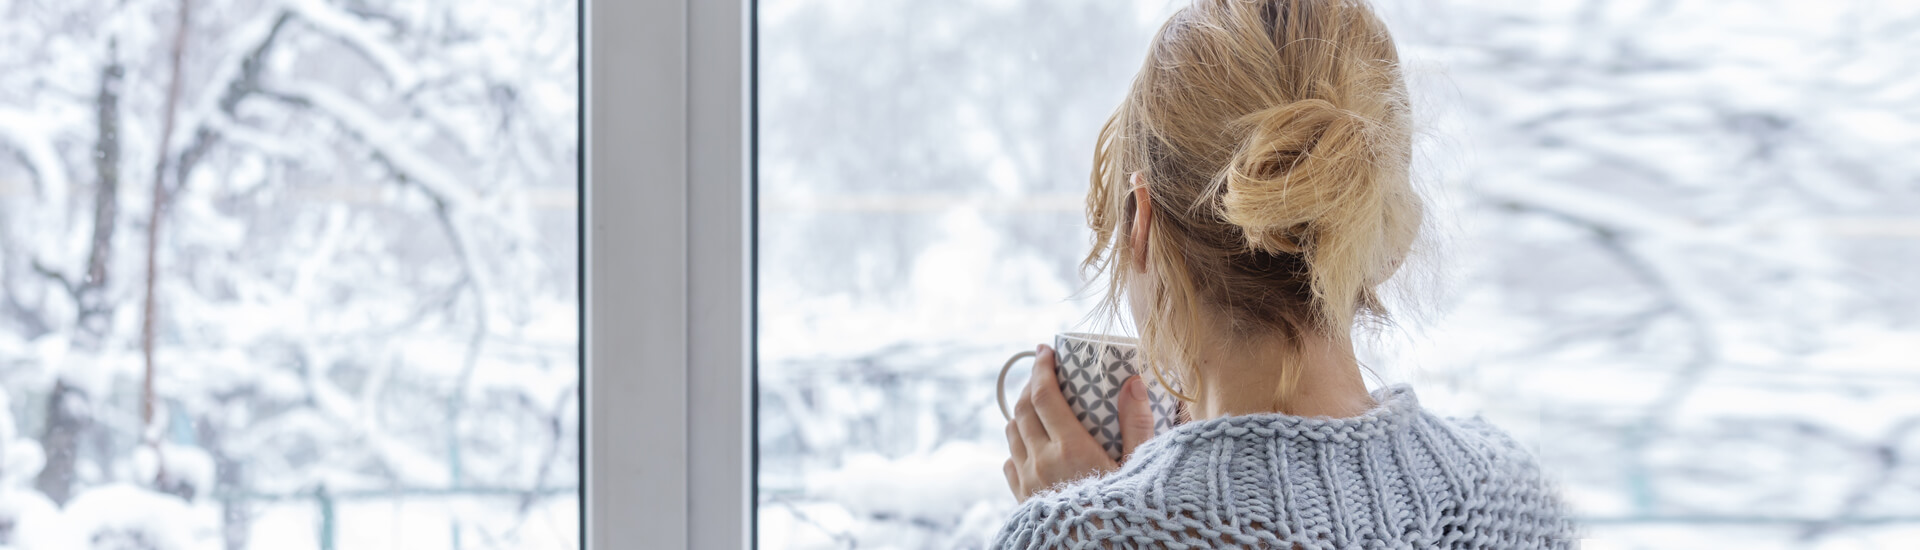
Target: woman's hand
{"type": "Point", "coordinates": [1050, 446]}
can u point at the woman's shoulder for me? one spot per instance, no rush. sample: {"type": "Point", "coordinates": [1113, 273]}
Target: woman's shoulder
{"type": "Point", "coordinates": [1048, 520]}
{"type": "Point", "coordinates": [1477, 441]}
{"type": "Point", "coordinates": [1511, 490]}
{"type": "Point", "coordinates": [1127, 507]}
{"type": "Point", "coordinates": [1171, 491]}
{"type": "Point", "coordinates": [1108, 512]}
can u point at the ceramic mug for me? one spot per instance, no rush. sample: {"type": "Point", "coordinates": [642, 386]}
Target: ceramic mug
{"type": "Point", "coordinates": [1092, 369]}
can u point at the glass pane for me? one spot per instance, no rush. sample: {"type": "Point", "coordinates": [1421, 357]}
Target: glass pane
{"type": "Point", "coordinates": [1669, 254]}
{"type": "Point", "coordinates": [289, 275]}
{"type": "Point", "coordinates": [922, 172]}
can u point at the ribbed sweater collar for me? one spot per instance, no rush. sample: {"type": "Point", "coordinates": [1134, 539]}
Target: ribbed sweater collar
{"type": "Point", "coordinates": [1395, 476]}
{"type": "Point", "coordinates": [1343, 482]}
{"type": "Point", "coordinates": [1394, 405]}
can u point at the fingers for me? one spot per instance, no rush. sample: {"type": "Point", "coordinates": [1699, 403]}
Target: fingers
{"type": "Point", "coordinates": [1014, 444]}
{"type": "Point", "coordinates": [1048, 443]}
{"type": "Point", "coordinates": [1136, 416]}
{"type": "Point", "coordinates": [1032, 432]}
{"type": "Point", "coordinates": [1013, 480]}
{"type": "Point", "coordinates": [1052, 407]}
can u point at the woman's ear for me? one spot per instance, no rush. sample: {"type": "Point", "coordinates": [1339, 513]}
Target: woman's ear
{"type": "Point", "coordinates": [1142, 221]}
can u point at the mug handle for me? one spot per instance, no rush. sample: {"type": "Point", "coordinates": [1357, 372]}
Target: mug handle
{"type": "Point", "coordinates": [1000, 387]}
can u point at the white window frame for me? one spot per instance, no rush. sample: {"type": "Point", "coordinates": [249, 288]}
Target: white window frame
{"type": "Point", "coordinates": [667, 309]}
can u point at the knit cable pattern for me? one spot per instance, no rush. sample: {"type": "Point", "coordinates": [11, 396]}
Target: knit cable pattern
{"type": "Point", "coordinates": [1395, 477]}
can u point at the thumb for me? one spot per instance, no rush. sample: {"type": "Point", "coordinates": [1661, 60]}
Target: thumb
{"type": "Point", "coordinates": [1136, 416]}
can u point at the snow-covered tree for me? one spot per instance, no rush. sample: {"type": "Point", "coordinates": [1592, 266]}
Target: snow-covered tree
{"type": "Point", "coordinates": [257, 252]}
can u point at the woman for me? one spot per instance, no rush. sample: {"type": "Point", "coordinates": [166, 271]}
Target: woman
{"type": "Point", "coordinates": [1248, 197]}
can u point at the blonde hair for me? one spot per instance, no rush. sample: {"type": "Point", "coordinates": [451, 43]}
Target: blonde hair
{"type": "Point", "coordinates": [1273, 140]}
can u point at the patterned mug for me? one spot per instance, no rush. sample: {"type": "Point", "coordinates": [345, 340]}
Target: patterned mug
{"type": "Point", "coordinates": [1092, 368]}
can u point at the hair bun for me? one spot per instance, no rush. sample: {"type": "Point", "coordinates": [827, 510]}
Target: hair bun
{"type": "Point", "coordinates": [1298, 163]}
{"type": "Point", "coordinates": [1326, 183]}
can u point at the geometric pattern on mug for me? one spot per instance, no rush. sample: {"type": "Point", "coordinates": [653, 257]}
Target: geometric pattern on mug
{"type": "Point", "coordinates": [1166, 409]}
{"type": "Point", "coordinates": [1091, 376]}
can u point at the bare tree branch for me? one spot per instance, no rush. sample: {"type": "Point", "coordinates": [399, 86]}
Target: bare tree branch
{"type": "Point", "coordinates": [156, 214]}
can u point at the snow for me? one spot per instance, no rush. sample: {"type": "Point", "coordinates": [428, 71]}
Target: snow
{"type": "Point", "coordinates": [368, 127]}
{"type": "Point", "coordinates": [551, 522]}
{"type": "Point", "coordinates": [123, 514]}
{"type": "Point", "coordinates": [27, 132]}
{"type": "Point", "coordinates": [1673, 249]}
{"type": "Point", "coordinates": [37, 521]}
{"type": "Point", "coordinates": [1670, 253]}
{"type": "Point", "coordinates": [362, 37]}
{"type": "Point", "coordinates": [314, 312]}
{"type": "Point", "coordinates": [190, 465]}
{"type": "Point", "coordinates": [873, 485]}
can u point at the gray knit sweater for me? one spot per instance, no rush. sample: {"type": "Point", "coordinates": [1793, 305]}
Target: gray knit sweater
{"type": "Point", "coordinates": [1394, 477]}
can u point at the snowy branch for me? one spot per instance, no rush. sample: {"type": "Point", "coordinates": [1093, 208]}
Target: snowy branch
{"type": "Point", "coordinates": [363, 38]}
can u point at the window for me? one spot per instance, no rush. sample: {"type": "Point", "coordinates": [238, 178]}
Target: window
{"type": "Point", "coordinates": [1673, 240]}
{"type": "Point", "coordinates": [289, 275]}
{"type": "Point", "coordinates": [677, 273]}
{"type": "Point", "coordinates": [922, 168]}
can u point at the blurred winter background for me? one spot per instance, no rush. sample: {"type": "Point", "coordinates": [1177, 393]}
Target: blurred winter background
{"type": "Point", "coordinates": [1675, 251]}
{"type": "Point", "coordinates": [359, 326]}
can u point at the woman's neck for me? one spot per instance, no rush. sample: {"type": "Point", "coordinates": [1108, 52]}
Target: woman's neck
{"type": "Point", "coordinates": [1241, 377]}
